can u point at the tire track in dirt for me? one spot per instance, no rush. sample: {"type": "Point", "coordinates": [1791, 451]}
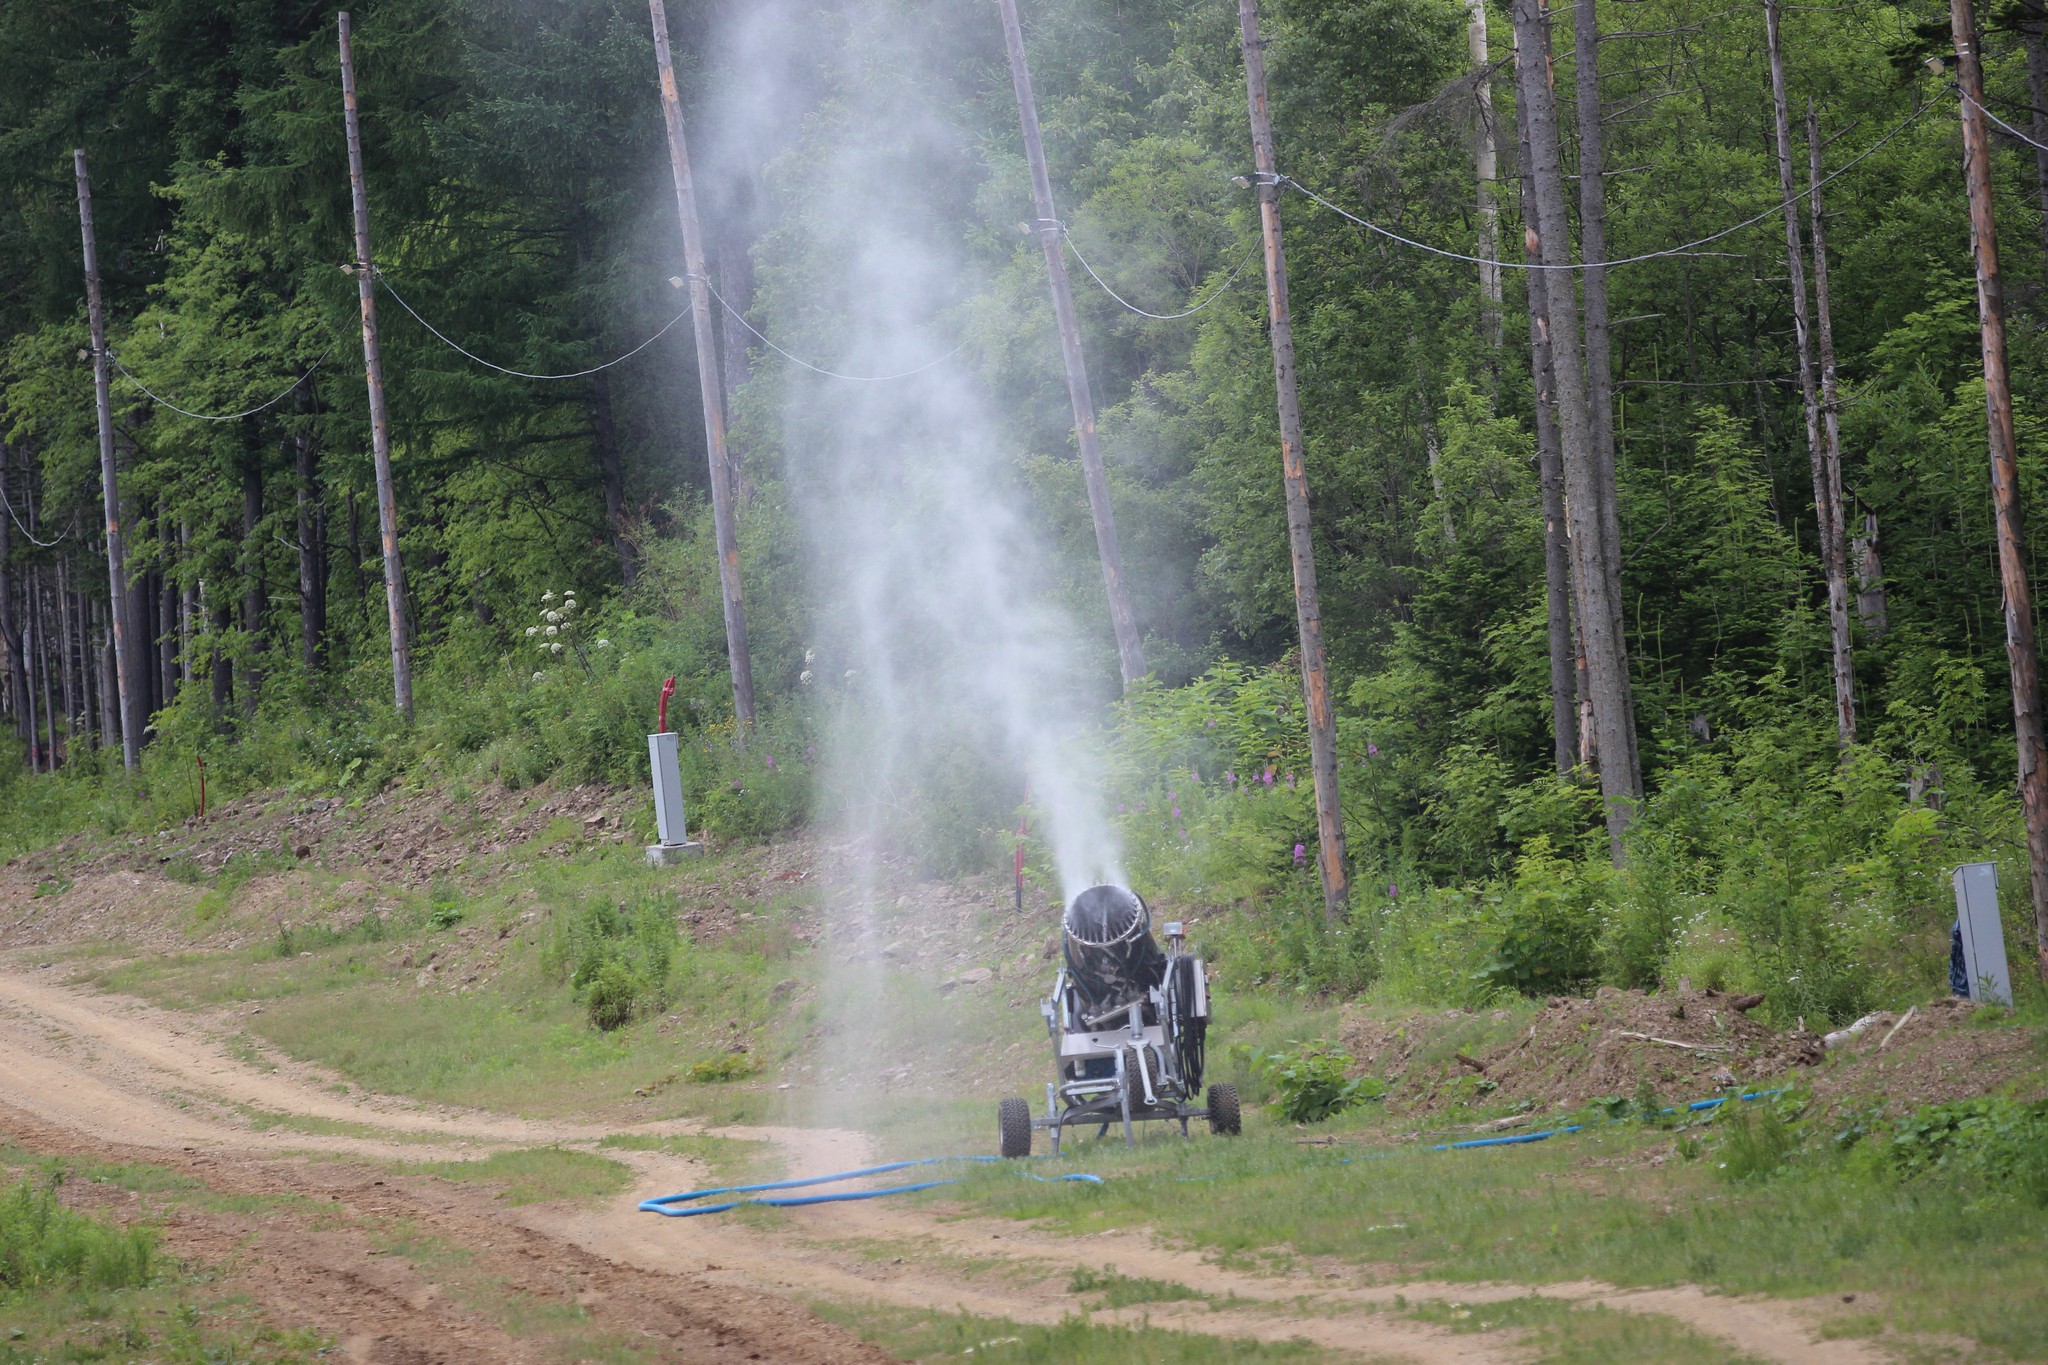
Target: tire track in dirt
{"type": "Point", "coordinates": [314, 1259]}
{"type": "Point", "coordinates": [135, 1077]}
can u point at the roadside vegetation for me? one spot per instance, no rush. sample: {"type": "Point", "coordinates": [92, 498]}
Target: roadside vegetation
{"type": "Point", "coordinates": [76, 1287]}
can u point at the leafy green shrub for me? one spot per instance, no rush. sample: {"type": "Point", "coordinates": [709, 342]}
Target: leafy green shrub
{"type": "Point", "coordinates": [1997, 1140]}
{"type": "Point", "coordinates": [1289, 942]}
{"type": "Point", "coordinates": [1758, 1141]}
{"type": "Point", "coordinates": [44, 1243]}
{"type": "Point", "coordinates": [616, 957]}
{"type": "Point", "coordinates": [611, 994]}
{"type": "Point", "coordinates": [444, 905]}
{"type": "Point", "coordinates": [1548, 925]}
{"type": "Point", "coordinates": [751, 790]}
{"type": "Point", "coordinates": [1313, 1082]}
{"type": "Point", "coordinates": [730, 1066]}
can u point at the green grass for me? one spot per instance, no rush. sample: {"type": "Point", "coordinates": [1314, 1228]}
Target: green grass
{"type": "Point", "coordinates": [1121, 1291]}
{"type": "Point", "coordinates": [934, 1336]}
{"type": "Point", "coordinates": [535, 1175]}
{"type": "Point", "coordinates": [1555, 1330]}
{"type": "Point", "coordinates": [723, 1156]}
{"type": "Point", "coordinates": [1942, 1258]}
{"type": "Point", "coordinates": [266, 1120]}
{"type": "Point", "coordinates": [78, 1288]}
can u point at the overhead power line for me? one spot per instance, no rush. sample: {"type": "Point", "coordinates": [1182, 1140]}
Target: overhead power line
{"type": "Point", "coordinates": [34, 539]}
{"type": "Point", "coordinates": [1688, 249]}
{"type": "Point", "coordinates": [161, 401]}
{"type": "Point", "coordinates": [1999, 121]}
{"type": "Point", "coordinates": [741, 318]}
{"type": "Point", "coordinates": [1216, 294]}
{"type": "Point", "coordinates": [459, 349]}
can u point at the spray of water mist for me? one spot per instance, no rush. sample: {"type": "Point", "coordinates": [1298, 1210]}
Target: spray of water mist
{"type": "Point", "coordinates": [940, 649]}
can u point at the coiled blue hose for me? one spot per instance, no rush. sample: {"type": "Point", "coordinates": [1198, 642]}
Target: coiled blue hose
{"type": "Point", "coordinates": [666, 1204]}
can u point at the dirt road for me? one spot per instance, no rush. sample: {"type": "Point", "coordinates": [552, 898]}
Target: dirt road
{"type": "Point", "coordinates": [114, 1079]}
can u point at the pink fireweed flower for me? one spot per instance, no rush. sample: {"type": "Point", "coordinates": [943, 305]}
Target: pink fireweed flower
{"type": "Point", "coordinates": [1372, 751]}
{"type": "Point", "coordinates": [1300, 855]}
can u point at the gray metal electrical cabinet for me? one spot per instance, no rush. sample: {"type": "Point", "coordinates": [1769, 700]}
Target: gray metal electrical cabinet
{"type": "Point", "coordinates": [1983, 935]}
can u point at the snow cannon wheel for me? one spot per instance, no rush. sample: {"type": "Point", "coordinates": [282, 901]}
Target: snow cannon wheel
{"type": "Point", "coordinates": [1224, 1119]}
{"type": "Point", "coordinates": [1013, 1127]}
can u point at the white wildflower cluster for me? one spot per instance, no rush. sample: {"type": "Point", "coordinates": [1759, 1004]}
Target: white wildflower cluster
{"type": "Point", "coordinates": [555, 631]}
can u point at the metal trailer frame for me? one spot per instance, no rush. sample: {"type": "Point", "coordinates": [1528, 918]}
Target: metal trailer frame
{"type": "Point", "coordinates": [1145, 1079]}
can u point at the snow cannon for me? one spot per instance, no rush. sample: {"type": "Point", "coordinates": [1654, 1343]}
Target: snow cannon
{"type": "Point", "coordinates": [1129, 1025]}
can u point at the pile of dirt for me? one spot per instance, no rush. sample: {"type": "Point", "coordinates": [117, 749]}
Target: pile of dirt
{"type": "Point", "coordinates": [401, 836]}
{"type": "Point", "coordinates": [1685, 1045]}
{"type": "Point", "coordinates": [1943, 1050]}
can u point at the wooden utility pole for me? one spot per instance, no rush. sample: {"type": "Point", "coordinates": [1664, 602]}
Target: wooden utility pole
{"type": "Point", "coordinates": [1834, 546]}
{"type": "Point", "coordinates": [1613, 704]}
{"type": "Point", "coordinates": [1315, 681]}
{"type": "Point", "coordinates": [373, 369]}
{"type": "Point", "coordinates": [1129, 649]}
{"type": "Point", "coordinates": [126, 652]}
{"type": "Point", "coordinates": [2012, 559]}
{"type": "Point", "coordinates": [710, 389]}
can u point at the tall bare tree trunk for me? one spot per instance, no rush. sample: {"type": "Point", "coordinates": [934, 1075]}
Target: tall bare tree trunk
{"type": "Point", "coordinates": [188, 608]}
{"type": "Point", "coordinates": [10, 630]}
{"type": "Point", "coordinates": [2030, 741]}
{"type": "Point", "coordinates": [1331, 856]}
{"type": "Point", "coordinates": [1599, 337]}
{"type": "Point", "coordinates": [312, 537]}
{"type": "Point", "coordinates": [1837, 544]}
{"type": "Point", "coordinates": [110, 695]}
{"type": "Point", "coordinates": [39, 588]}
{"type": "Point", "coordinates": [1123, 619]}
{"type": "Point", "coordinates": [219, 623]}
{"type": "Point", "coordinates": [1606, 653]}
{"type": "Point", "coordinates": [64, 670]}
{"type": "Point", "coordinates": [252, 583]}
{"type": "Point", "coordinates": [166, 600]}
{"type": "Point", "coordinates": [1486, 174]}
{"type": "Point", "coordinates": [1557, 551]}
{"type": "Point", "coordinates": [1834, 551]}
{"type": "Point", "coordinates": [710, 383]}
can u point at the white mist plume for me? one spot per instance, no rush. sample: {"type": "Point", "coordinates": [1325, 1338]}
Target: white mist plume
{"type": "Point", "coordinates": [938, 628]}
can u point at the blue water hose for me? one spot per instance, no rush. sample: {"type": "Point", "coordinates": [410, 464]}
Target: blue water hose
{"type": "Point", "coordinates": [667, 1204]}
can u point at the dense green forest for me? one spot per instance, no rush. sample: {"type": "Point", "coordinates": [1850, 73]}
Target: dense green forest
{"type": "Point", "coordinates": [520, 195]}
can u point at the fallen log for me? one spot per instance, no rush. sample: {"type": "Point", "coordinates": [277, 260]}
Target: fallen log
{"type": "Point", "coordinates": [1671, 1042]}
